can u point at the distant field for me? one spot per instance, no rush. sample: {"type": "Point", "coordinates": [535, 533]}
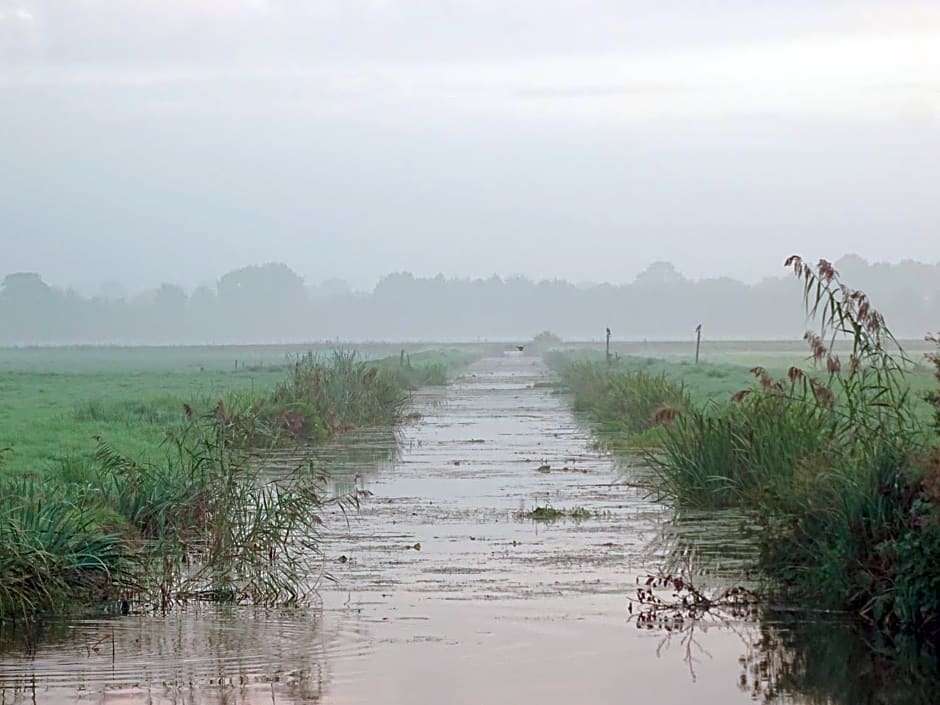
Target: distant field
{"type": "Point", "coordinates": [725, 366]}
{"type": "Point", "coordinates": [55, 403]}
{"type": "Point", "coordinates": [182, 359]}
{"type": "Point", "coordinates": [744, 352]}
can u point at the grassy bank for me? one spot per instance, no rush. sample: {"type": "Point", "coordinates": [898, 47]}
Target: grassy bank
{"type": "Point", "coordinates": [626, 401]}
{"type": "Point", "coordinates": [836, 461]}
{"type": "Point", "coordinates": [139, 484]}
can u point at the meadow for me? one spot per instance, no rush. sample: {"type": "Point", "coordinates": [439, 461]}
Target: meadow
{"type": "Point", "coordinates": [59, 403]}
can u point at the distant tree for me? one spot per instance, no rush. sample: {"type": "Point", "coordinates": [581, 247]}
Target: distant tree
{"type": "Point", "coordinates": [659, 274]}
{"type": "Point", "coordinates": [203, 315]}
{"type": "Point", "coordinates": [266, 281]}
{"type": "Point", "coordinates": [330, 289]}
{"type": "Point", "coordinates": [542, 342]}
{"type": "Point", "coordinates": [169, 313]}
{"type": "Point", "coordinates": [25, 287]}
{"type": "Point", "coordinates": [28, 309]}
{"type": "Point", "coordinates": [854, 267]}
{"type": "Point", "coordinates": [264, 301]}
{"type": "Point", "coordinates": [395, 285]}
{"type": "Point", "coordinates": [170, 298]}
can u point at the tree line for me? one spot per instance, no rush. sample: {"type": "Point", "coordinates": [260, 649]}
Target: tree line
{"type": "Point", "coordinates": [272, 303]}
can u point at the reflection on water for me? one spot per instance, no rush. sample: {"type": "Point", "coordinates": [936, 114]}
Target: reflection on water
{"type": "Point", "coordinates": [347, 463]}
{"type": "Point", "coordinates": [208, 656]}
{"type": "Point", "coordinates": [789, 655]}
{"type": "Point", "coordinates": [821, 660]}
{"type": "Point", "coordinates": [710, 544]}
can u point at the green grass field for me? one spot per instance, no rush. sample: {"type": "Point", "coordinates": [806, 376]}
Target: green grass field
{"type": "Point", "coordinates": [725, 367]}
{"type": "Point", "coordinates": [56, 403]}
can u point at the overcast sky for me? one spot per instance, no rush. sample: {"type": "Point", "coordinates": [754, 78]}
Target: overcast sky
{"type": "Point", "coordinates": [174, 140]}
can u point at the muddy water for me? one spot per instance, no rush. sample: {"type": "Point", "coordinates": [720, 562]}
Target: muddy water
{"type": "Point", "coordinates": [440, 590]}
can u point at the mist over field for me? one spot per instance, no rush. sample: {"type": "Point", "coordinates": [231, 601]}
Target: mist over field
{"type": "Point", "coordinates": [271, 303]}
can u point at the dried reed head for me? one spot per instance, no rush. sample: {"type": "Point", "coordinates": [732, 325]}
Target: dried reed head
{"type": "Point", "coordinates": [817, 347]}
{"type": "Point", "coordinates": [663, 416]}
{"type": "Point", "coordinates": [766, 381]}
{"type": "Point", "coordinates": [823, 395]}
{"type": "Point", "coordinates": [833, 365]}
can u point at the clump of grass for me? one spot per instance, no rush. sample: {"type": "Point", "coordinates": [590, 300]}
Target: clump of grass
{"type": "Point", "coordinates": [622, 403]}
{"type": "Point", "coordinates": [326, 395]}
{"type": "Point", "coordinates": [207, 524]}
{"type": "Point", "coordinates": [739, 454]}
{"type": "Point", "coordinates": [163, 411]}
{"type": "Point", "coordinates": [579, 513]}
{"type": "Point", "coordinates": [320, 397]}
{"type": "Point", "coordinates": [54, 552]}
{"type": "Point", "coordinates": [337, 393]}
{"type": "Point", "coordinates": [433, 368]}
{"type": "Point", "coordinates": [867, 538]}
{"type": "Point", "coordinates": [548, 513]}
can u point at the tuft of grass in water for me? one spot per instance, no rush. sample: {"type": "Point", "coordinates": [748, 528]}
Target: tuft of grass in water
{"type": "Point", "coordinates": [579, 513]}
{"type": "Point", "coordinates": [548, 513]}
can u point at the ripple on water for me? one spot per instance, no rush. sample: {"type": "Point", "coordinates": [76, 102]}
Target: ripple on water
{"type": "Point", "coordinates": [203, 655]}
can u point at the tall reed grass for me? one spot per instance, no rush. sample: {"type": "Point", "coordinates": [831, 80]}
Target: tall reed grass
{"type": "Point", "coordinates": [842, 475]}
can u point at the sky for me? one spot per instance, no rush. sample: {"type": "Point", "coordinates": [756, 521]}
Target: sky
{"type": "Point", "coordinates": [175, 140]}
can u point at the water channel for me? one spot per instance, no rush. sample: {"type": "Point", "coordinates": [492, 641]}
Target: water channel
{"type": "Point", "coordinates": [440, 590]}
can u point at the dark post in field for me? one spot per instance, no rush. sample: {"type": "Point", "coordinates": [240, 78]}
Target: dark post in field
{"type": "Point", "coordinates": [698, 340]}
{"type": "Point", "coordinates": [608, 346]}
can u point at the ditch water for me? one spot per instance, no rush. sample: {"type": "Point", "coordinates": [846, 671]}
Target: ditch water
{"type": "Point", "coordinates": [439, 590]}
